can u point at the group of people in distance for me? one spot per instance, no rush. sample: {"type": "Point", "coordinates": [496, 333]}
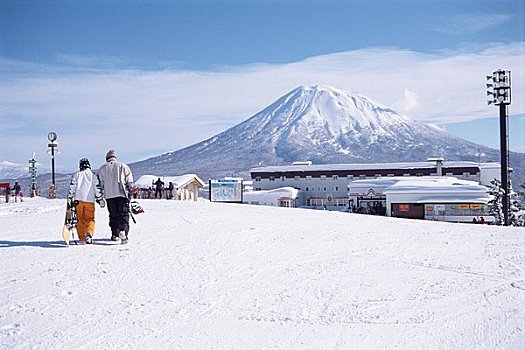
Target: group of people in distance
{"type": "Point", "coordinates": [159, 189]}
{"type": "Point", "coordinates": [478, 220]}
{"type": "Point", "coordinates": [17, 192]}
{"type": "Point", "coordinates": [111, 188]}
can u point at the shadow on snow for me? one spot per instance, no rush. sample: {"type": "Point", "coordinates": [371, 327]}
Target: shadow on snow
{"type": "Point", "coordinates": [51, 244]}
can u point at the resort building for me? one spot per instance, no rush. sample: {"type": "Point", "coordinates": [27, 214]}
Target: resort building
{"type": "Point", "coordinates": [326, 185]}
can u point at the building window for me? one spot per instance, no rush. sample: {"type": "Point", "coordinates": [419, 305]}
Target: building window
{"type": "Point", "coordinates": [325, 189]}
{"type": "Point", "coordinates": [404, 207]}
{"type": "Point", "coordinates": [335, 177]}
{"type": "Point", "coordinates": [323, 177]}
{"type": "Point", "coordinates": [336, 188]}
{"type": "Point", "coordinates": [419, 174]}
{"type": "Point", "coordinates": [258, 178]}
{"type": "Point", "coordinates": [297, 177]}
{"type": "Point", "coordinates": [272, 178]}
{"type": "Point", "coordinates": [306, 189]}
{"type": "Point", "coordinates": [308, 177]}
{"type": "Point", "coordinates": [283, 178]}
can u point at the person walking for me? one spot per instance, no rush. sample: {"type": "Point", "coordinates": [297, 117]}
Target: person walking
{"type": "Point", "coordinates": [116, 180]}
{"type": "Point", "coordinates": [85, 188]}
{"type": "Point", "coordinates": [18, 191]}
{"type": "Point", "coordinates": [159, 186]}
{"type": "Point", "coordinates": [170, 190]}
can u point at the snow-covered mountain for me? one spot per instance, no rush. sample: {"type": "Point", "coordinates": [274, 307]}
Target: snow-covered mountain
{"type": "Point", "coordinates": [322, 124]}
{"type": "Point", "coordinates": [10, 170]}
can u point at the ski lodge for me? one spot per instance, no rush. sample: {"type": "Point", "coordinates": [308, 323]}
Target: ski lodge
{"type": "Point", "coordinates": [434, 189]}
{"type": "Point", "coordinates": [185, 187]}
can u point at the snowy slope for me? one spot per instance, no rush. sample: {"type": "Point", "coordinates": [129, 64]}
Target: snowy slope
{"type": "Point", "coordinates": [200, 275]}
{"type": "Point", "coordinates": [325, 125]}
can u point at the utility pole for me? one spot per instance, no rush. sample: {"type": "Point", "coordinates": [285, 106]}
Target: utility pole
{"type": "Point", "coordinates": [499, 95]}
{"type": "Point", "coordinates": [52, 137]}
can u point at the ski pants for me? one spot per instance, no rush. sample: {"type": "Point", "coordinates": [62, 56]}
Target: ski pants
{"type": "Point", "coordinates": [118, 208]}
{"type": "Point", "coordinates": [86, 219]}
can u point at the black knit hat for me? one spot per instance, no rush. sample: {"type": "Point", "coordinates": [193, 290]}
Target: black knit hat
{"type": "Point", "coordinates": [84, 163]}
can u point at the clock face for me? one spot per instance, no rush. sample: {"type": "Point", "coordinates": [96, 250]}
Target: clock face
{"type": "Point", "coordinates": [52, 136]}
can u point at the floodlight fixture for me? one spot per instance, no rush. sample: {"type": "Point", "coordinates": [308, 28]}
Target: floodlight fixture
{"type": "Point", "coordinates": [499, 82]}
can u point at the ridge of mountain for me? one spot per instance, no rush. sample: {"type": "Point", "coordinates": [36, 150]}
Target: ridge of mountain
{"type": "Point", "coordinates": [319, 123]}
{"type": "Point", "coordinates": [325, 125]}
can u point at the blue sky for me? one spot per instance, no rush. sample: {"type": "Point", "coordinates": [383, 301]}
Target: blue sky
{"type": "Point", "coordinates": [106, 74]}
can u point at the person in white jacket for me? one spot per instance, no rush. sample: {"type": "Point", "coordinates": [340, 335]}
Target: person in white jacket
{"type": "Point", "coordinates": [116, 179]}
{"type": "Point", "coordinates": [85, 188]}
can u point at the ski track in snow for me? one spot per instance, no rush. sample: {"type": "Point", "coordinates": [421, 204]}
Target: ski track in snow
{"type": "Point", "coordinates": [228, 276]}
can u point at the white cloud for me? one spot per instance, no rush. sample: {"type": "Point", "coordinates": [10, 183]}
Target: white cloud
{"type": "Point", "coordinates": [409, 102]}
{"type": "Point", "coordinates": [470, 24]}
{"type": "Point", "coordinates": [145, 113]}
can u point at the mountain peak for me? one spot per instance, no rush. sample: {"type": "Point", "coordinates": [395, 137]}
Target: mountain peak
{"type": "Point", "coordinates": [321, 123]}
{"type": "Point", "coordinates": [337, 109]}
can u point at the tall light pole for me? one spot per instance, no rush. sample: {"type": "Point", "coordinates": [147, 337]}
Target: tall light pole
{"type": "Point", "coordinates": [499, 95]}
{"type": "Point", "coordinates": [52, 137]}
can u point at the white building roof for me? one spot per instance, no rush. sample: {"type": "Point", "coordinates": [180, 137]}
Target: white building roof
{"type": "Point", "coordinates": [435, 185]}
{"type": "Point", "coordinates": [372, 166]}
{"type": "Point", "coordinates": [389, 181]}
{"type": "Point", "coordinates": [427, 189]}
{"type": "Point", "coordinates": [268, 195]}
{"type": "Point", "coordinates": [439, 190]}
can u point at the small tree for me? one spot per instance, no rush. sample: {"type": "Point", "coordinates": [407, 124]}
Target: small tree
{"type": "Point", "coordinates": [516, 210]}
{"type": "Point", "coordinates": [496, 197]}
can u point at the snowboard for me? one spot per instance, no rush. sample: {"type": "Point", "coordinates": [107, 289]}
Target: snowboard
{"type": "Point", "coordinates": [70, 221]}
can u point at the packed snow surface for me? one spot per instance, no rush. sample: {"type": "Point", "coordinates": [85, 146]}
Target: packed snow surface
{"type": "Point", "coordinates": [200, 275]}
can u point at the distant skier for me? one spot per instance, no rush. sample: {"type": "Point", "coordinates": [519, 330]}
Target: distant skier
{"type": "Point", "coordinates": [159, 186]}
{"type": "Point", "coordinates": [85, 188]}
{"type": "Point", "coordinates": [18, 190]}
{"type": "Point", "coordinates": [116, 179]}
{"type": "Point", "coordinates": [170, 190]}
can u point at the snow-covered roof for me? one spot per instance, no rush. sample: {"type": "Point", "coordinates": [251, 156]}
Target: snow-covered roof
{"type": "Point", "coordinates": [434, 189]}
{"type": "Point", "coordinates": [281, 192]}
{"type": "Point", "coordinates": [146, 181]}
{"type": "Point", "coordinates": [389, 181]}
{"type": "Point", "coordinates": [435, 185]}
{"type": "Point", "coordinates": [371, 166]}
{"type": "Point", "coordinates": [439, 190]}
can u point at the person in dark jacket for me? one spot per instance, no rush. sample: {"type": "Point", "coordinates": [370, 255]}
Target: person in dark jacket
{"type": "Point", "coordinates": [170, 190]}
{"type": "Point", "coordinates": [159, 186]}
{"type": "Point", "coordinates": [18, 190]}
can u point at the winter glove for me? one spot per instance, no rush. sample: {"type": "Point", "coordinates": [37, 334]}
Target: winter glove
{"type": "Point", "coordinates": [129, 191]}
{"type": "Point", "coordinates": [101, 202]}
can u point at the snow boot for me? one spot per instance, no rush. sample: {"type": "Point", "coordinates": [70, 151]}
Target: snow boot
{"type": "Point", "coordinates": [89, 239]}
{"type": "Point", "coordinates": [123, 237]}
